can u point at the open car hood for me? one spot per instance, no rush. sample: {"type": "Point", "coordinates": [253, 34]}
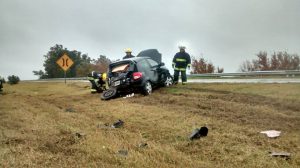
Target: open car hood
{"type": "Point", "coordinates": [152, 53]}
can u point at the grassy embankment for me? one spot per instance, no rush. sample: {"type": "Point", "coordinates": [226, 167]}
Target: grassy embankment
{"type": "Point", "coordinates": [38, 122]}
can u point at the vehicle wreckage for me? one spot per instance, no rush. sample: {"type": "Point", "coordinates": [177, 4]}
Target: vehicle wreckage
{"type": "Point", "coordinates": [139, 74]}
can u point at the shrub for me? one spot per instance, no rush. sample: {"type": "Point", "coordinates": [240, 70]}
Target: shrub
{"type": "Point", "coordinates": [13, 79]}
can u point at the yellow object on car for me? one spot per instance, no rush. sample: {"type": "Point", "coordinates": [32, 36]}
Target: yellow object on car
{"type": "Point", "coordinates": [104, 76]}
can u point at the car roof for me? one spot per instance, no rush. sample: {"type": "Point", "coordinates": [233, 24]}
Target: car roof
{"type": "Point", "coordinates": [134, 59]}
{"type": "Point", "coordinates": [137, 59]}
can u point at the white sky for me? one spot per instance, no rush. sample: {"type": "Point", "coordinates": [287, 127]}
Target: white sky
{"type": "Point", "coordinates": [226, 32]}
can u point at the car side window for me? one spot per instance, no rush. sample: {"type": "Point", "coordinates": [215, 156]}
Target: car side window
{"type": "Point", "coordinates": [152, 62]}
{"type": "Point", "coordinates": [143, 65]}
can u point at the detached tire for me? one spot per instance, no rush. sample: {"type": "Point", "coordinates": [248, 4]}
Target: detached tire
{"type": "Point", "coordinates": [147, 88]}
{"type": "Point", "coordinates": [109, 94]}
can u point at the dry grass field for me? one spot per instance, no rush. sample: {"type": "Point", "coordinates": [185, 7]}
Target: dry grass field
{"type": "Point", "coordinates": [39, 122]}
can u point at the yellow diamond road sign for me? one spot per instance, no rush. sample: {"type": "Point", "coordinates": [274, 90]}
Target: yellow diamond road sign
{"type": "Point", "coordinates": [65, 62]}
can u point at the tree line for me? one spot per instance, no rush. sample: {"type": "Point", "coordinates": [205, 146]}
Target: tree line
{"type": "Point", "coordinates": [275, 61]}
{"type": "Point", "coordinates": [201, 65]}
{"type": "Point", "coordinates": [83, 64]}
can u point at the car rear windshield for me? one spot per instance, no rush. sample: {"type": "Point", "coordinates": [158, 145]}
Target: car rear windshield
{"type": "Point", "coordinates": [120, 68]}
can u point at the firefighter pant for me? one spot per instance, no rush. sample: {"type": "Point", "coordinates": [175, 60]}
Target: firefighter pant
{"type": "Point", "coordinates": [183, 76]}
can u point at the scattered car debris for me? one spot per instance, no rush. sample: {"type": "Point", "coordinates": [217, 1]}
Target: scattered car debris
{"type": "Point", "coordinates": [70, 110]}
{"type": "Point", "coordinates": [109, 94]}
{"type": "Point", "coordinates": [271, 133]}
{"type": "Point", "coordinates": [203, 131]}
{"type": "Point", "coordinates": [281, 154]}
{"type": "Point", "coordinates": [80, 134]}
{"type": "Point", "coordinates": [197, 133]}
{"type": "Point", "coordinates": [118, 124]}
{"type": "Point", "coordinates": [143, 145]}
{"type": "Point", "coordinates": [122, 153]}
{"type": "Point", "coordinates": [129, 95]}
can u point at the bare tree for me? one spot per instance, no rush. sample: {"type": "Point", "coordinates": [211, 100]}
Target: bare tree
{"type": "Point", "coordinates": [200, 65]}
{"type": "Point", "coordinates": [296, 62]}
{"type": "Point", "coordinates": [210, 68]}
{"type": "Point", "coordinates": [246, 66]}
{"type": "Point", "coordinates": [278, 61]}
{"type": "Point", "coordinates": [274, 62]}
{"type": "Point", "coordinates": [220, 70]}
{"type": "Point", "coordinates": [263, 61]}
{"type": "Point", "coordinates": [101, 64]}
{"type": "Point", "coordinates": [285, 61]}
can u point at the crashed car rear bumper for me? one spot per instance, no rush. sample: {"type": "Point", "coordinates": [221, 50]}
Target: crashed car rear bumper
{"type": "Point", "coordinates": [127, 86]}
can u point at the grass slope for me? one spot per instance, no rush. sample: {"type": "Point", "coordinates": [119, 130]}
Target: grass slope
{"type": "Point", "coordinates": [38, 122]}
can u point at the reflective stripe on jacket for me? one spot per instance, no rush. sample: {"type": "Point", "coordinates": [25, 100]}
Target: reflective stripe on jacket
{"type": "Point", "coordinates": [180, 69]}
{"type": "Point", "coordinates": [181, 60]}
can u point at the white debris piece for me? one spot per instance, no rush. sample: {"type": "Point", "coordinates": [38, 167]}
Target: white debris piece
{"type": "Point", "coordinates": [129, 95]}
{"type": "Point", "coordinates": [281, 154]}
{"type": "Point", "coordinates": [271, 133]}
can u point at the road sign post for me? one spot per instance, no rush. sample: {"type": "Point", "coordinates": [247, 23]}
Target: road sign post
{"type": "Point", "coordinates": [65, 77]}
{"type": "Point", "coordinates": [65, 62]}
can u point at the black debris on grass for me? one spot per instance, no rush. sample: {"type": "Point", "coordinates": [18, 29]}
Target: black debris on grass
{"type": "Point", "coordinates": [118, 124]}
{"type": "Point", "coordinates": [197, 133]}
{"type": "Point", "coordinates": [70, 110]}
{"type": "Point", "coordinates": [143, 145]}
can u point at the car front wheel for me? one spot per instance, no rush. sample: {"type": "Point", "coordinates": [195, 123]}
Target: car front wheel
{"type": "Point", "coordinates": [169, 81]}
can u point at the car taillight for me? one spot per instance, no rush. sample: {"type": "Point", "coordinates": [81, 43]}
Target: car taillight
{"type": "Point", "coordinates": [137, 75]}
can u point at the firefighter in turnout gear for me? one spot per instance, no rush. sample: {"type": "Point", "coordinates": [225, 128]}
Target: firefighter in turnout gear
{"type": "Point", "coordinates": [98, 81]}
{"type": "Point", "coordinates": [128, 52]}
{"type": "Point", "coordinates": [181, 61]}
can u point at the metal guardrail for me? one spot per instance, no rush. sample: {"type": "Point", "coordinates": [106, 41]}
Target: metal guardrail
{"type": "Point", "coordinates": [240, 74]}
{"type": "Point", "coordinates": [79, 78]}
{"type": "Point", "coordinates": [245, 74]}
{"type": "Point", "coordinates": [56, 79]}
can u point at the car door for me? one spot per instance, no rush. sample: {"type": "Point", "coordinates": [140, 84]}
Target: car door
{"type": "Point", "coordinates": [153, 70]}
{"type": "Point", "coordinates": [144, 67]}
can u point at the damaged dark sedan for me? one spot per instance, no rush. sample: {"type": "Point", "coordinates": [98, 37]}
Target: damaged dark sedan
{"type": "Point", "coordinates": [140, 74]}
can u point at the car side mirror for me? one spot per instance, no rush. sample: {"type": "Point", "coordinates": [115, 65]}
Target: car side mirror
{"type": "Point", "coordinates": [162, 64]}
